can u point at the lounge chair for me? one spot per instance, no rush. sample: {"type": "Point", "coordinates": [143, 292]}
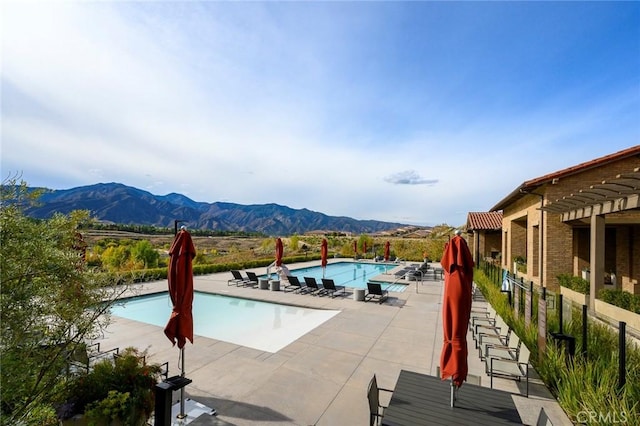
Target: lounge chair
{"type": "Point", "coordinates": [294, 284]}
{"type": "Point", "coordinates": [312, 287]}
{"type": "Point", "coordinates": [508, 351]}
{"type": "Point", "coordinates": [252, 280]}
{"type": "Point", "coordinates": [515, 369]}
{"type": "Point", "coordinates": [376, 410]}
{"type": "Point", "coordinates": [375, 292]}
{"type": "Point", "coordinates": [331, 288]}
{"type": "Point", "coordinates": [237, 279]}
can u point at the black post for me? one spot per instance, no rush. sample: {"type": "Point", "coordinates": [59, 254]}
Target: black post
{"type": "Point", "coordinates": [584, 331]}
{"type": "Point", "coordinates": [163, 395]}
{"type": "Point", "coordinates": [622, 351]}
{"type": "Point", "coordinates": [560, 312]}
{"type": "Point", "coordinates": [175, 226]}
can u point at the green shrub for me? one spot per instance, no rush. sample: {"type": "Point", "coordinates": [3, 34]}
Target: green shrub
{"type": "Point", "coordinates": [574, 283]}
{"type": "Point", "coordinates": [622, 299]}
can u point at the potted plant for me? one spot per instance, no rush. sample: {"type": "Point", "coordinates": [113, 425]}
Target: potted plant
{"type": "Point", "coordinates": [117, 391]}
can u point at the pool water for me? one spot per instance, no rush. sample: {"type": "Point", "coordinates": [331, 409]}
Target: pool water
{"type": "Point", "coordinates": [348, 274]}
{"type": "Point", "coordinates": [260, 325]}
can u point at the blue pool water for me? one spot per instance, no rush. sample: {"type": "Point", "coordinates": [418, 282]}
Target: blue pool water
{"type": "Point", "coordinates": [348, 274]}
{"type": "Point", "coordinates": [259, 325]}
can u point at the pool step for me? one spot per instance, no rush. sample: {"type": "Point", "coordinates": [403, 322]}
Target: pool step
{"type": "Point", "coordinates": [398, 288]}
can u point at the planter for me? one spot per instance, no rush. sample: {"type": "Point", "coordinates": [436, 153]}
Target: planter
{"type": "Point", "coordinates": [574, 296]}
{"type": "Point", "coordinates": [632, 319]}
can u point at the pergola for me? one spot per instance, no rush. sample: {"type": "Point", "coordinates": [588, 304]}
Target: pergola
{"type": "Point", "coordinates": [594, 202]}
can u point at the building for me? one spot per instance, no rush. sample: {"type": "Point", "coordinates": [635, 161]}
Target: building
{"type": "Point", "coordinates": [484, 231]}
{"type": "Point", "coordinates": [583, 220]}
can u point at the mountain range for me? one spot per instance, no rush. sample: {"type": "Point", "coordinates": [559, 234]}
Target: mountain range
{"type": "Point", "coordinates": [121, 204]}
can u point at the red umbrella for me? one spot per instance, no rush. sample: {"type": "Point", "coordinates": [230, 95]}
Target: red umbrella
{"type": "Point", "coordinates": [355, 247]}
{"type": "Point", "coordinates": [324, 252]}
{"type": "Point", "coordinates": [387, 247]}
{"type": "Point", "coordinates": [279, 252]}
{"type": "Point", "coordinates": [456, 309]}
{"type": "Point", "coordinates": [180, 325]}
{"type": "Point", "coordinates": [364, 248]}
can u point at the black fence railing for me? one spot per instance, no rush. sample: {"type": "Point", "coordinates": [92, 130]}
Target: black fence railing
{"type": "Point", "coordinates": [526, 298]}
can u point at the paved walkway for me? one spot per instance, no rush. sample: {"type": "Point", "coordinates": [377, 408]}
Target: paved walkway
{"type": "Point", "coordinates": [322, 377]}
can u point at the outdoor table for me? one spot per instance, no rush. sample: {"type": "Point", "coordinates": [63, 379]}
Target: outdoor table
{"type": "Point", "coordinates": [263, 283]}
{"type": "Point", "coordinates": [274, 285]}
{"type": "Point", "coordinates": [419, 399]}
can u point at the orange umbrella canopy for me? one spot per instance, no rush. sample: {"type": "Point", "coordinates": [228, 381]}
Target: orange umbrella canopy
{"type": "Point", "coordinates": [387, 246]}
{"type": "Point", "coordinates": [181, 254]}
{"type": "Point", "coordinates": [279, 252]}
{"type": "Point", "coordinates": [456, 309]}
{"type": "Point", "coordinates": [324, 252]}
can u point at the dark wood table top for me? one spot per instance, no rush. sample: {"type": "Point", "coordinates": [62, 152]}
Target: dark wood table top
{"type": "Point", "coordinates": [419, 399]}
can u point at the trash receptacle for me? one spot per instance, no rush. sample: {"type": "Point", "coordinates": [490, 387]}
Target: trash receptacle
{"type": "Point", "coordinates": [567, 340]}
{"type": "Point", "coordinates": [163, 393]}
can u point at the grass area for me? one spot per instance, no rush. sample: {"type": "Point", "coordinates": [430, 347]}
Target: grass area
{"type": "Point", "coordinates": [586, 387]}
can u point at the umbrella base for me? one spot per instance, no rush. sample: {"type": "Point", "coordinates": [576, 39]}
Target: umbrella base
{"type": "Point", "coordinates": [192, 410]}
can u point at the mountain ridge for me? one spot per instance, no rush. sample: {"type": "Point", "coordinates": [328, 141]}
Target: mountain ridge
{"type": "Point", "coordinates": [122, 204]}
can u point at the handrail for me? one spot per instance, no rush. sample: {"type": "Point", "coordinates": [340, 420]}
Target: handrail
{"type": "Point", "coordinates": [269, 269]}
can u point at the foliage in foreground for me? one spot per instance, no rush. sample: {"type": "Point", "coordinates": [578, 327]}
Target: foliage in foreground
{"type": "Point", "coordinates": [585, 387]}
{"type": "Point", "coordinates": [47, 305]}
{"type": "Point", "coordinates": [115, 389]}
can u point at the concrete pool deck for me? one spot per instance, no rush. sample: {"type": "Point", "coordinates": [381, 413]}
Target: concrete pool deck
{"type": "Point", "coordinates": [322, 377]}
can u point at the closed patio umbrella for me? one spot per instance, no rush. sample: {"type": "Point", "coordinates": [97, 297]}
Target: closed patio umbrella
{"type": "Point", "coordinates": [387, 246]}
{"type": "Point", "coordinates": [279, 252]}
{"type": "Point", "coordinates": [355, 249]}
{"type": "Point", "coordinates": [364, 249]}
{"type": "Point", "coordinates": [180, 278]}
{"type": "Point", "coordinates": [457, 264]}
{"type": "Point", "coordinates": [324, 252]}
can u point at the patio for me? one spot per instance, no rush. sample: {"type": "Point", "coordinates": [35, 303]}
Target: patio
{"type": "Point", "coordinates": [322, 377]}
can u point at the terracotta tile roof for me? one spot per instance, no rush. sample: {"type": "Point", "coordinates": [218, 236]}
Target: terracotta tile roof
{"type": "Point", "coordinates": [532, 184]}
{"type": "Point", "coordinates": [484, 220]}
{"type": "Point", "coordinates": [634, 150]}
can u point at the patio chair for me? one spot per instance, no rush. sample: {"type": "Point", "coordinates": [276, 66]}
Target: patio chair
{"type": "Point", "coordinates": [543, 418]}
{"type": "Point", "coordinates": [311, 287]}
{"type": "Point", "coordinates": [375, 292]}
{"type": "Point", "coordinates": [237, 279]}
{"type": "Point", "coordinates": [514, 369]}
{"type": "Point", "coordinates": [509, 351]}
{"type": "Point", "coordinates": [294, 285]}
{"type": "Point", "coordinates": [487, 316]}
{"type": "Point", "coordinates": [492, 335]}
{"type": "Point", "coordinates": [331, 288]}
{"type": "Point", "coordinates": [494, 327]}
{"type": "Point", "coordinates": [252, 280]}
{"type": "Point", "coordinates": [376, 410]}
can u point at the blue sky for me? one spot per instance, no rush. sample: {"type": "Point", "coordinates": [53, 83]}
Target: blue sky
{"type": "Point", "coordinates": [410, 112]}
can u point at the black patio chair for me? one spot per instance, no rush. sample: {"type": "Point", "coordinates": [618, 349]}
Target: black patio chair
{"type": "Point", "coordinates": [311, 287]}
{"type": "Point", "coordinates": [294, 285]}
{"type": "Point", "coordinates": [331, 288]}
{"type": "Point", "coordinates": [375, 292]}
{"type": "Point", "coordinates": [376, 410]}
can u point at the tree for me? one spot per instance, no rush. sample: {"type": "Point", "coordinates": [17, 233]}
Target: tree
{"type": "Point", "coordinates": [50, 302]}
{"type": "Point", "coordinates": [144, 252]}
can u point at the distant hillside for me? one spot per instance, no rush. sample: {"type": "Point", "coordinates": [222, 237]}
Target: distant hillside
{"type": "Point", "coordinates": [117, 203]}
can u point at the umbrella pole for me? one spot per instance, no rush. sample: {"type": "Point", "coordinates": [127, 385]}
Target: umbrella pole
{"type": "Point", "coordinates": [454, 393]}
{"type": "Point", "coordinates": [181, 415]}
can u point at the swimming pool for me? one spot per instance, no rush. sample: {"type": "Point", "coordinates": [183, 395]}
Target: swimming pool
{"type": "Point", "coordinates": [260, 325]}
{"type": "Point", "coordinates": [349, 274]}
